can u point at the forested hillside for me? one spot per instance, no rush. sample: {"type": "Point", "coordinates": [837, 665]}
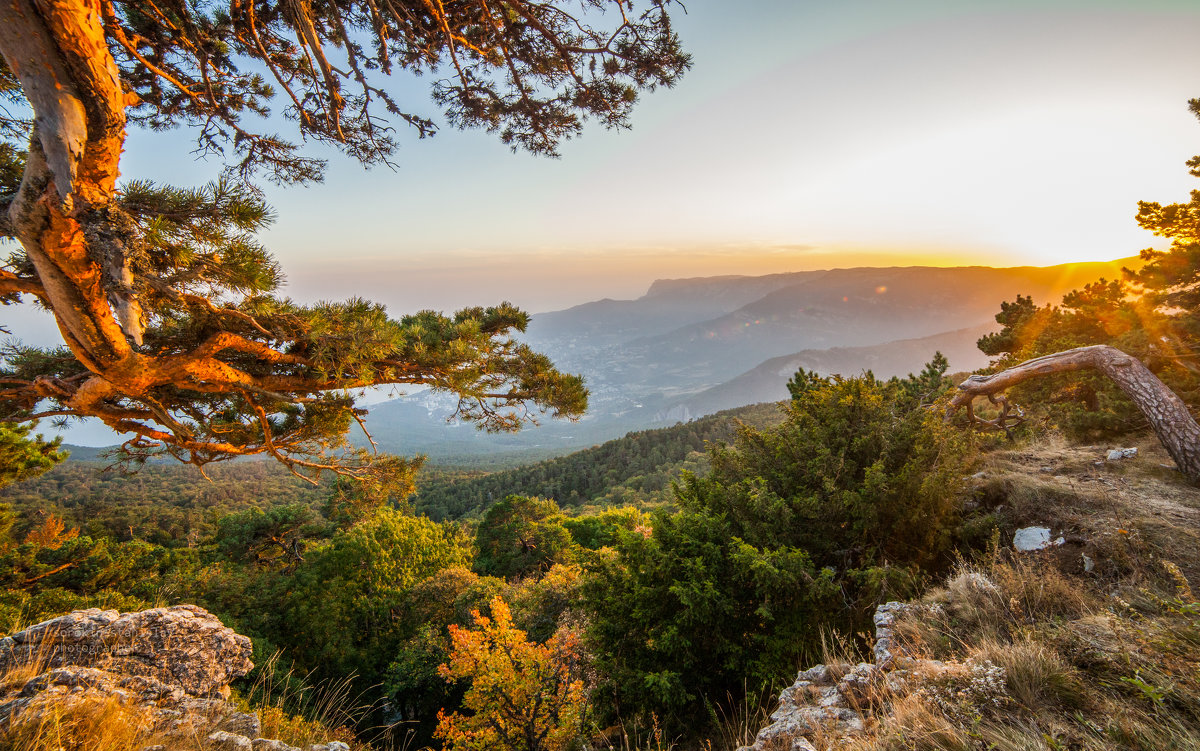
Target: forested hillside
{"type": "Point", "coordinates": [635, 469]}
{"type": "Point", "coordinates": [161, 503]}
{"type": "Point", "coordinates": [999, 561]}
{"type": "Point", "coordinates": [164, 502]}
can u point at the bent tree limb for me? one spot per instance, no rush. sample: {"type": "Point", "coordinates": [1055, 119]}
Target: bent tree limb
{"type": "Point", "coordinates": [168, 306]}
{"type": "Point", "coordinates": [1168, 415]}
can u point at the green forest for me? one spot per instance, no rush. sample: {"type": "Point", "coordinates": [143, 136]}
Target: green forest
{"type": "Point", "coordinates": [673, 576]}
{"type": "Point", "coordinates": [655, 592]}
{"type": "Point", "coordinates": [374, 593]}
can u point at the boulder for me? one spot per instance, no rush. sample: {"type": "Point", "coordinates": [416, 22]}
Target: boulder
{"type": "Point", "coordinates": [1028, 539]}
{"type": "Point", "coordinates": [182, 647]}
{"type": "Point", "coordinates": [170, 668]}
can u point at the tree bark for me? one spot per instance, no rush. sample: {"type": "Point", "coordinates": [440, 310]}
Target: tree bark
{"type": "Point", "coordinates": [1168, 415]}
{"type": "Point", "coordinates": [58, 51]}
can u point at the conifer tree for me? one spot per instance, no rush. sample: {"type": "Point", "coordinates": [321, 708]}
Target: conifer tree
{"type": "Point", "coordinates": [23, 456]}
{"type": "Point", "coordinates": [1137, 340]}
{"type": "Point", "coordinates": [167, 304]}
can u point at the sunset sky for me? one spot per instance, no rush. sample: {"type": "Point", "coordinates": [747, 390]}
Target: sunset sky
{"type": "Point", "coordinates": [807, 135]}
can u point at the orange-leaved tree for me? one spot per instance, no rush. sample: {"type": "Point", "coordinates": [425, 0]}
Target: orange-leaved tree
{"type": "Point", "coordinates": [523, 696]}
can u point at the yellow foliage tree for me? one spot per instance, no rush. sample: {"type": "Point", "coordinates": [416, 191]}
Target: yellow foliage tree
{"type": "Point", "coordinates": [52, 533]}
{"type": "Point", "coordinates": [524, 696]}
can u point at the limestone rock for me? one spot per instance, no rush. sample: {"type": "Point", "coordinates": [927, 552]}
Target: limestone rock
{"type": "Point", "coordinates": [170, 668]}
{"type": "Point", "coordinates": [795, 744]}
{"type": "Point", "coordinates": [1028, 539]}
{"type": "Point", "coordinates": [225, 741]}
{"type": "Point", "coordinates": [885, 616]}
{"type": "Point", "coordinates": [183, 647]}
{"type": "Point", "coordinates": [830, 701]}
{"type": "Point", "coordinates": [264, 744]}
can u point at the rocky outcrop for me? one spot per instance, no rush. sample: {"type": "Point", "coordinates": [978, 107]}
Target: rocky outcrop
{"type": "Point", "coordinates": [184, 647]}
{"type": "Point", "coordinates": [834, 703]}
{"type": "Point", "coordinates": [830, 701]}
{"type": "Point", "coordinates": [169, 667]}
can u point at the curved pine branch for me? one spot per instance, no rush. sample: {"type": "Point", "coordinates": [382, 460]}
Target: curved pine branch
{"type": "Point", "coordinates": [1167, 413]}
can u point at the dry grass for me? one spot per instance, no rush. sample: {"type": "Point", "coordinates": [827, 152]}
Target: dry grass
{"type": "Point", "coordinates": [1096, 657]}
{"type": "Point", "coordinates": [76, 721]}
{"type": "Point", "coordinates": [1036, 676]}
{"type": "Point", "coordinates": [738, 722]}
{"type": "Point", "coordinates": [639, 738]}
{"type": "Point", "coordinates": [78, 726]}
{"type": "Point", "coordinates": [299, 713]}
{"type": "Point", "coordinates": [914, 725]}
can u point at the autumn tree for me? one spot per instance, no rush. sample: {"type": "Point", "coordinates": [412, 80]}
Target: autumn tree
{"type": "Point", "coordinates": [167, 304]}
{"type": "Point", "coordinates": [522, 697]}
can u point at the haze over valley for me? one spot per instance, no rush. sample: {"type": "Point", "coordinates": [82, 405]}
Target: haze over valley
{"type": "Point", "coordinates": [692, 346]}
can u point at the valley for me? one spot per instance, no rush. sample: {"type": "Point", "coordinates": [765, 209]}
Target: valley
{"type": "Point", "coordinates": [691, 347]}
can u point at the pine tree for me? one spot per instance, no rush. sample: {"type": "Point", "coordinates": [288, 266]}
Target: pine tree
{"type": "Point", "coordinates": [23, 456]}
{"type": "Point", "coordinates": [168, 306]}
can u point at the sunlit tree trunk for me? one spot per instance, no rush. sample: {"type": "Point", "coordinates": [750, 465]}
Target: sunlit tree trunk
{"type": "Point", "coordinates": [1168, 415]}
{"type": "Point", "coordinates": [58, 51]}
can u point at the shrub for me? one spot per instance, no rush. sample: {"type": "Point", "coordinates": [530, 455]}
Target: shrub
{"type": "Point", "coordinates": [797, 528]}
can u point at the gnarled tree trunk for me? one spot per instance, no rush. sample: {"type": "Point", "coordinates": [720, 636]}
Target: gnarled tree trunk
{"type": "Point", "coordinates": [58, 51]}
{"type": "Point", "coordinates": [1167, 413]}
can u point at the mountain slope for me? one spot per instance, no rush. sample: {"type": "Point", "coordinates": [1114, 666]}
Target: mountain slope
{"type": "Point", "coordinates": [667, 305]}
{"type": "Point", "coordinates": [768, 381]}
{"type": "Point", "coordinates": [644, 461]}
{"type": "Point", "coordinates": [842, 308]}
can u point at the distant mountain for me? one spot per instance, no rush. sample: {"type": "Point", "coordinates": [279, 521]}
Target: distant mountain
{"type": "Point", "coordinates": [839, 308]}
{"type": "Point", "coordinates": [667, 305]}
{"type": "Point", "coordinates": [768, 381]}
{"type": "Point", "coordinates": [85, 453]}
{"type": "Point", "coordinates": [689, 347]}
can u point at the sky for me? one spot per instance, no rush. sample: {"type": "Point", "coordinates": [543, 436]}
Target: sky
{"type": "Point", "coordinates": [808, 134]}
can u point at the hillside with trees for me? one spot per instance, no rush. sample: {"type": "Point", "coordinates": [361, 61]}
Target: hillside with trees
{"type": "Point", "coordinates": [637, 469]}
{"type": "Point", "coordinates": [167, 504]}
{"type": "Point", "coordinates": [652, 593]}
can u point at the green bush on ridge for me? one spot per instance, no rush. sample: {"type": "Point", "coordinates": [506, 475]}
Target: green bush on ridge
{"type": "Point", "coordinates": [796, 529]}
